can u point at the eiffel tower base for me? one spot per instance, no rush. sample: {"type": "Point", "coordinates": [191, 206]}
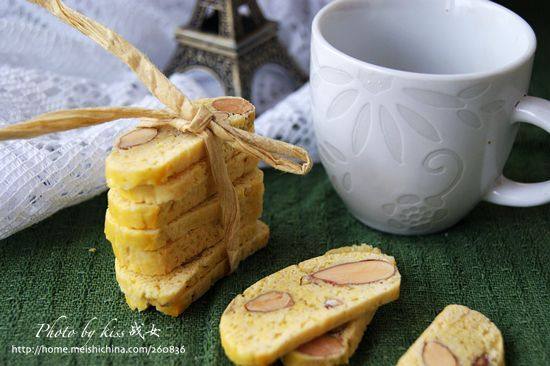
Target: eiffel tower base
{"type": "Point", "coordinates": [236, 72]}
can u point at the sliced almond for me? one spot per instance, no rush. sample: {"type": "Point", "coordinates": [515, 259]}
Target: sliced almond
{"type": "Point", "coordinates": [332, 303]}
{"type": "Point", "coordinates": [322, 346]}
{"type": "Point", "coordinates": [482, 360]}
{"type": "Point", "coordinates": [356, 273]}
{"type": "Point", "coordinates": [270, 301]}
{"type": "Point", "coordinates": [136, 137]}
{"type": "Point", "coordinates": [437, 354]}
{"type": "Point", "coordinates": [233, 105]}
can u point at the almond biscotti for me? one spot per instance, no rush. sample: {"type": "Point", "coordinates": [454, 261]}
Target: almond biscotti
{"type": "Point", "coordinates": [166, 259]}
{"type": "Point", "coordinates": [457, 336]}
{"type": "Point", "coordinates": [299, 303]}
{"type": "Point", "coordinates": [146, 216]}
{"type": "Point", "coordinates": [332, 348]}
{"type": "Point", "coordinates": [195, 184]}
{"type": "Point", "coordinates": [207, 213]}
{"type": "Point", "coordinates": [173, 293]}
{"type": "Point", "coordinates": [149, 156]}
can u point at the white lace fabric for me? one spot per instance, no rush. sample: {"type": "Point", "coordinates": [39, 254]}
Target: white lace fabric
{"type": "Point", "coordinates": [45, 65]}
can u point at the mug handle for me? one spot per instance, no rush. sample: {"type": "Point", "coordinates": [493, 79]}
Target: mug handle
{"type": "Point", "coordinates": [509, 193]}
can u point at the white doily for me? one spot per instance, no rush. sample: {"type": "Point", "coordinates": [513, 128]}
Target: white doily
{"type": "Point", "coordinates": [45, 65]}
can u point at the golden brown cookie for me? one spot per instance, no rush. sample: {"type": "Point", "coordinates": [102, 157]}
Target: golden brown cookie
{"type": "Point", "coordinates": [280, 312]}
{"type": "Point", "coordinates": [173, 293]}
{"type": "Point", "coordinates": [332, 348]}
{"type": "Point", "coordinates": [458, 336]}
{"type": "Point", "coordinates": [150, 156]}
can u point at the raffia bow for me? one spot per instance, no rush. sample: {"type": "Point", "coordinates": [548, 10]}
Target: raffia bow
{"type": "Point", "coordinates": [181, 113]}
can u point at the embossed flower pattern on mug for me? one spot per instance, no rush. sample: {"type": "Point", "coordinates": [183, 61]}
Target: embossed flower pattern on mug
{"type": "Point", "coordinates": [330, 154]}
{"type": "Point", "coordinates": [392, 134]}
{"type": "Point", "coordinates": [412, 112]}
{"type": "Point", "coordinates": [418, 123]}
{"type": "Point", "coordinates": [375, 83]}
{"type": "Point", "coordinates": [361, 130]}
{"type": "Point", "coordinates": [414, 213]}
{"type": "Point", "coordinates": [341, 103]}
{"type": "Point", "coordinates": [461, 102]}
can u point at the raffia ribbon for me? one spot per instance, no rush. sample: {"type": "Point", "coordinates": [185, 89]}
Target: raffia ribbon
{"type": "Point", "coordinates": [180, 113]}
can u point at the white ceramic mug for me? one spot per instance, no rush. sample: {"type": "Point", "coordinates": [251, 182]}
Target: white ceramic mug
{"type": "Point", "coordinates": [415, 105]}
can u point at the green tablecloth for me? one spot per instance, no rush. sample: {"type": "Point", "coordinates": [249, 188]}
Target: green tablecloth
{"type": "Point", "coordinates": [495, 261]}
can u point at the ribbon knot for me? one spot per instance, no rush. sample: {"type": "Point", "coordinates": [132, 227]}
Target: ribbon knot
{"type": "Point", "coordinates": [200, 121]}
{"type": "Point", "coordinates": [181, 114]}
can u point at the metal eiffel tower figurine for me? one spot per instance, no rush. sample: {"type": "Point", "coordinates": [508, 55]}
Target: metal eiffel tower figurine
{"type": "Point", "coordinates": [232, 39]}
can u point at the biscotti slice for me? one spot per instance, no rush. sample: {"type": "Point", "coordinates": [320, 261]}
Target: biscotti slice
{"type": "Point", "coordinates": [192, 184]}
{"type": "Point", "coordinates": [301, 302]}
{"type": "Point", "coordinates": [145, 216]}
{"type": "Point", "coordinates": [332, 348]}
{"type": "Point", "coordinates": [166, 259]}
{"type": "Point", "coordinates": [458, 336]}
{"type": "Point", "coordinates": [250, 194]}
{"type": "Point", "coordinates": [152, 155]}
{"type": "Point", "coordinates": [173, 293]}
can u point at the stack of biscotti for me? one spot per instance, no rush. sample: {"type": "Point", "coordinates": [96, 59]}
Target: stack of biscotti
{"type": "Point", "coordinates": [164, 216]}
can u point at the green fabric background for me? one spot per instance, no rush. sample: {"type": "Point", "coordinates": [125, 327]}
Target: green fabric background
{"type": "Point", "coordinates": [495, 261]}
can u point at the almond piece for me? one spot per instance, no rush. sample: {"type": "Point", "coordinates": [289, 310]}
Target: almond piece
{"type": "Point", "coordinates": [322, 346]}
{"type": "Point", "coordinates": [332, 303]}
{"type": "Point", "coordinates": [437, 354]}
{"type": "Point", "coordinates": [482, 360]}
{"type": "Point", "coordinates": [233, 105]}
{"type": "Point", "coordinates": [136, 137]}
{"type": "Point", "coordinates": [270, 301]}
{"type": "Point", "coordinates": [356, 273]}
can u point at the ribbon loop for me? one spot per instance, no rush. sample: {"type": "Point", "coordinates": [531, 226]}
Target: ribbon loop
{"type": "Point", "coordinates": [278, 154]}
